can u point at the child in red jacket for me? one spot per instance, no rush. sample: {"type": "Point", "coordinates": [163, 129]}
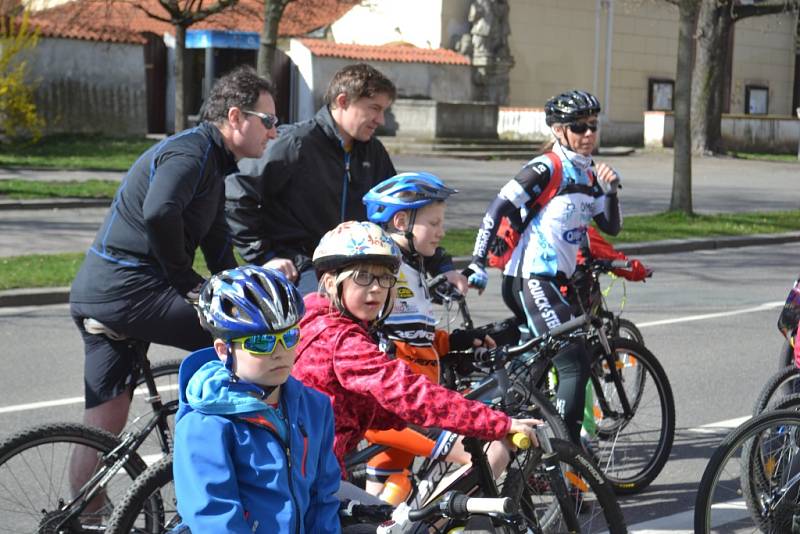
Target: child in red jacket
{"type": "Point", "coordinates": [338, 353]}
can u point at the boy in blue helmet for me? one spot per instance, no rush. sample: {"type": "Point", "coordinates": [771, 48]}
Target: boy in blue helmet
{"type": "Point", "coordinates": [411, 208]}
{"type": "Point", "coordinates": [253, 446]}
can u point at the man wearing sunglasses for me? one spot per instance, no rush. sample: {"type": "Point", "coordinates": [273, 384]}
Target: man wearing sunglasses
{"type": "Point", "coordinates": [313, 177]}
{"type": "Point", "coordinates": [552, 230]}
{"type": "Point", "coordinates": [137, 275]}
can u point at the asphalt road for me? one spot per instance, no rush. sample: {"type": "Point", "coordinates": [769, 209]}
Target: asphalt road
{"type": "Point", "coordinates": [719, 185]}
{"type": "Point", "coordinates": [708, 316]}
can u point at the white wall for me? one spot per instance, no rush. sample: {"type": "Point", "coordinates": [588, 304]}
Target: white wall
{"type": "Point", "coordinates": [86, 86]}
{"type": "Point", "coordinates": [385, 21]}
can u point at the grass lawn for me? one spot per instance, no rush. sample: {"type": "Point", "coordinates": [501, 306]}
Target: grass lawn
{"type": "Point", "coordinates": [785, 158]}
{"type": "Point", "coordinates": [66, 151]}
{"type": "Point", "coordinates": [638, 228]}
{"type": "Point", "coordinates": [27, 189]}
{"type": "Point", "coordinates": [52, 270]}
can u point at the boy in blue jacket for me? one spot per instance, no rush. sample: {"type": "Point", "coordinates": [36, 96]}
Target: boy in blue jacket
{"type": "Point", "coordinates": [253, 446]}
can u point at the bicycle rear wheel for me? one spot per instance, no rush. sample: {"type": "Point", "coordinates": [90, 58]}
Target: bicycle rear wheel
{"type": "Point", "coordinates": [758, 490]}
{"type": "Point", "coordinates": [590, 494]}
{"type": "Point", "coordinates": [34, 478]}
{"type": "Point", "coordinates": [632, 451]}
{"type": "Point", "coordinates": [136, 513]}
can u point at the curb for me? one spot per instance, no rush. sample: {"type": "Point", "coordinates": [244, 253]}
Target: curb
{"type": "Point", "coordinates": [52, 203]}
{"type": "Point", "coordinates": [60, 295]}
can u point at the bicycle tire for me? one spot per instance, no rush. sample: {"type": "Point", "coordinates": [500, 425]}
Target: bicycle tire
{"type": "Point", "coordinates": [784, 382]}
{"type": "Point", "coordinates": [133, 513]}
{"type": "Point", "coordinates": [34, 467]}
{"type": "Point", "coordinates": [734, 485]}
{"type": "Point", "coordinates": [623, 443]}
{"type": "Point", "coordinates": [529, 485]}
{"type": "Point", "coordinates": [786, 355]}
{"type": "Point", "coordinates": [628, 330]}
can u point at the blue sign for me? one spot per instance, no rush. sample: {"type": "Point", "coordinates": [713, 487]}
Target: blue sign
{"type": "Point", "coordinates": [222, 39]}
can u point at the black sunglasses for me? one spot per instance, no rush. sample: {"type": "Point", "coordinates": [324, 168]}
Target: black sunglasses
{"type": "Point", "coordinates": [581, 127]}
{"type": "Point", "coordinates": [269, 120]}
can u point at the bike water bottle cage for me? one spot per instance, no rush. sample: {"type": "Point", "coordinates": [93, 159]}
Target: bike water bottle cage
{"type": "Point", "coordinates": [264, 344]}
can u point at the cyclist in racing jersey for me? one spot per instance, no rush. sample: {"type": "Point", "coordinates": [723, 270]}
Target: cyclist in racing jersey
{"type": "Point", "coordinates": [546, 253]}
{"type": "Point", "coordinates": [411, 208]}
{"type": "Point", "coordinates": [339, 355]}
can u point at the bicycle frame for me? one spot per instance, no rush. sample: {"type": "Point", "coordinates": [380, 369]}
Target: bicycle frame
{"type": "Point", "coordinates": [114, 460]}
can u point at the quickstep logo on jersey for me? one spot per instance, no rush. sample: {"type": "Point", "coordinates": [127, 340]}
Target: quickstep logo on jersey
{"type": "Point", "coordinates": [542, 303]}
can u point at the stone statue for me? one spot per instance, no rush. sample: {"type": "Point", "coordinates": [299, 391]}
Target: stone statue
{"type": "Point", "coordinates": [487, 45]}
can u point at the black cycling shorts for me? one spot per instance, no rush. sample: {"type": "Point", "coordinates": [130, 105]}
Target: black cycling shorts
{"type": "Point", "coordinates": [159, 316]}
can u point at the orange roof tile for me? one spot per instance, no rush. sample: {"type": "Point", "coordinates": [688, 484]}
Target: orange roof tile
{"type": "Point", "coordinates": [403, 53]}
{"type": "Point", "coordinates": [122, 21]}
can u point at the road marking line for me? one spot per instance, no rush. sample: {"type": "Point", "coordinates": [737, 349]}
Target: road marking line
{"type": "Point", "coordinates": [688, 318]}
{"type": "Point", "coordinates": [66, 401]}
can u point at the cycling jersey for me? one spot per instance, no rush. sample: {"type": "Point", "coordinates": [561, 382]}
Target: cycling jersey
{"type": "Point", "coordinates": [550, 243]}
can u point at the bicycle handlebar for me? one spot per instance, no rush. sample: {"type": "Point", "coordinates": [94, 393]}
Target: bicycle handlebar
{"type": "Point", "coordinates": [456, 505]}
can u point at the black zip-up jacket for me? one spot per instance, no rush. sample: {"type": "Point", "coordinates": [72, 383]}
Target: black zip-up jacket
{"type": "Point", "coordinates": [171, 201]}
{"type": "Point", "coordinates": [303, 186]}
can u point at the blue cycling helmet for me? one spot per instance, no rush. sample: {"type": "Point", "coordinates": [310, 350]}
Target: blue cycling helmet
{"type": "Point", "coordinates": [406, 191]}
{"type": "Point", "coordinates": [248, 301]}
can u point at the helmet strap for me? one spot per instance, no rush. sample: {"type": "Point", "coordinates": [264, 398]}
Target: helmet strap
{"type": "Point", "coordinates": [234, 383]}
{"type": "Point", "coordinates": [409, 233]}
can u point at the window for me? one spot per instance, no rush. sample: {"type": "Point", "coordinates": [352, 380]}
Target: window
{"type": "Point", "coordinates": [659, 94]}
{"type": "Point", "coordinates": [756, 100]}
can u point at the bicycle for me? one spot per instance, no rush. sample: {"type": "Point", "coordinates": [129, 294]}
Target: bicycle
{"type": "Point", "coordinates": [630, 450]}
{"type": "Point", "coordinates": [34, 463]}
{"type": "Point", "coordinates": [752, 481]}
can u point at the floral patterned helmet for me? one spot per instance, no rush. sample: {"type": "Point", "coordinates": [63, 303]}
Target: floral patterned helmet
{"type": "Point", "coordinates": [356, 242]}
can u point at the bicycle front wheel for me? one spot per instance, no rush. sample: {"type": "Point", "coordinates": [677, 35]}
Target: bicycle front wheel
{"type": "Point", "coordinates": [136, 512]}
{"type": "Point", "coordinates": [628, 330]}
{"type": "Point", "coordinates": [589, 495]}
{"type": "Point", "coordinates": [784, 382]}
{"type": "Point", "coordinates": [632, 450]}
{"type": "Point", "coordinates": [751, 482]}
{"type": "Point", "coordinates": [35, 468]}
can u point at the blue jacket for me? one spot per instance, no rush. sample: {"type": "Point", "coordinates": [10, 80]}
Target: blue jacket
{"type": "Point", "coordinates": [242, 466]}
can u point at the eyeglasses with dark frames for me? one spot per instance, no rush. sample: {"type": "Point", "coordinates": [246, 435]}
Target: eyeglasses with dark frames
{"type": "Point", "coordinates": [269, 120]}
{"type": "Point", "coordinates": [581, 127]}
{"type": "Point", "coordinates": [365, 279]}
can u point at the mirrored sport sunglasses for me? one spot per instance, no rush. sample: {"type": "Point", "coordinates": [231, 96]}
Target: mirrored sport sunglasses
{"type": "Point", "coordinates": [269, 120]}
{"type": "Point", "coordinates": [265, 344]}
{"type": "Point", "coordinates": [365, 279]}
{"type": "Point", "coordinates": [581, 127]}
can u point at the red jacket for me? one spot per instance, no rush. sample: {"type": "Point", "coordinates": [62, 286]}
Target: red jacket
{"type": "Point", "coordinates": [368, 390]}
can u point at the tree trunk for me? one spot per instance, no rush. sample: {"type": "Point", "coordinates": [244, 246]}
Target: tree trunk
{"type": "Point", "coordinates": [180, 78]}
{"type": "Point", "coordinates": [273, 11]}
{"type": "Point", "coordinates": [713, 27]}
{"type": "Point", "coordinates": [682, 167]}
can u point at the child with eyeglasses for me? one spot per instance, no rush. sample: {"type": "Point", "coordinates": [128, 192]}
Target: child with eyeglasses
{"type": "Point", "coordinates": [253, 446]}
{"type": "Point", "coordinates": [552, 201]}
{"type": "Point", "coordinates": [339, 354]}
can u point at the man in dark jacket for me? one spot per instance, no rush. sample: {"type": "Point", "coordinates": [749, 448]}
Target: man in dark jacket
{"type": "Point", "coordinates": [312, 177]}
{"type": "Point", "coordinates": [137, 278]}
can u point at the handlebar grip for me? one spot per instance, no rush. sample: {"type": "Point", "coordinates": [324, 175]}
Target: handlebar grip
{"type": "Point", "coordinates": [521, 441]}
{"type": "Point", "coordinates": [620, 264]}
{"type": "Point", "coordinates": [498, 505]}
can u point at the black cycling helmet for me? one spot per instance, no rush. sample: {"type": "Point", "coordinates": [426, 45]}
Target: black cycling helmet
{"type": "Point", "coordinates": [570, 106]}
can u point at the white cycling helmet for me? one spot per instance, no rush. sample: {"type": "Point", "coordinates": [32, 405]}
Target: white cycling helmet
{"type": "Point", "coordinates": [356, 242]}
